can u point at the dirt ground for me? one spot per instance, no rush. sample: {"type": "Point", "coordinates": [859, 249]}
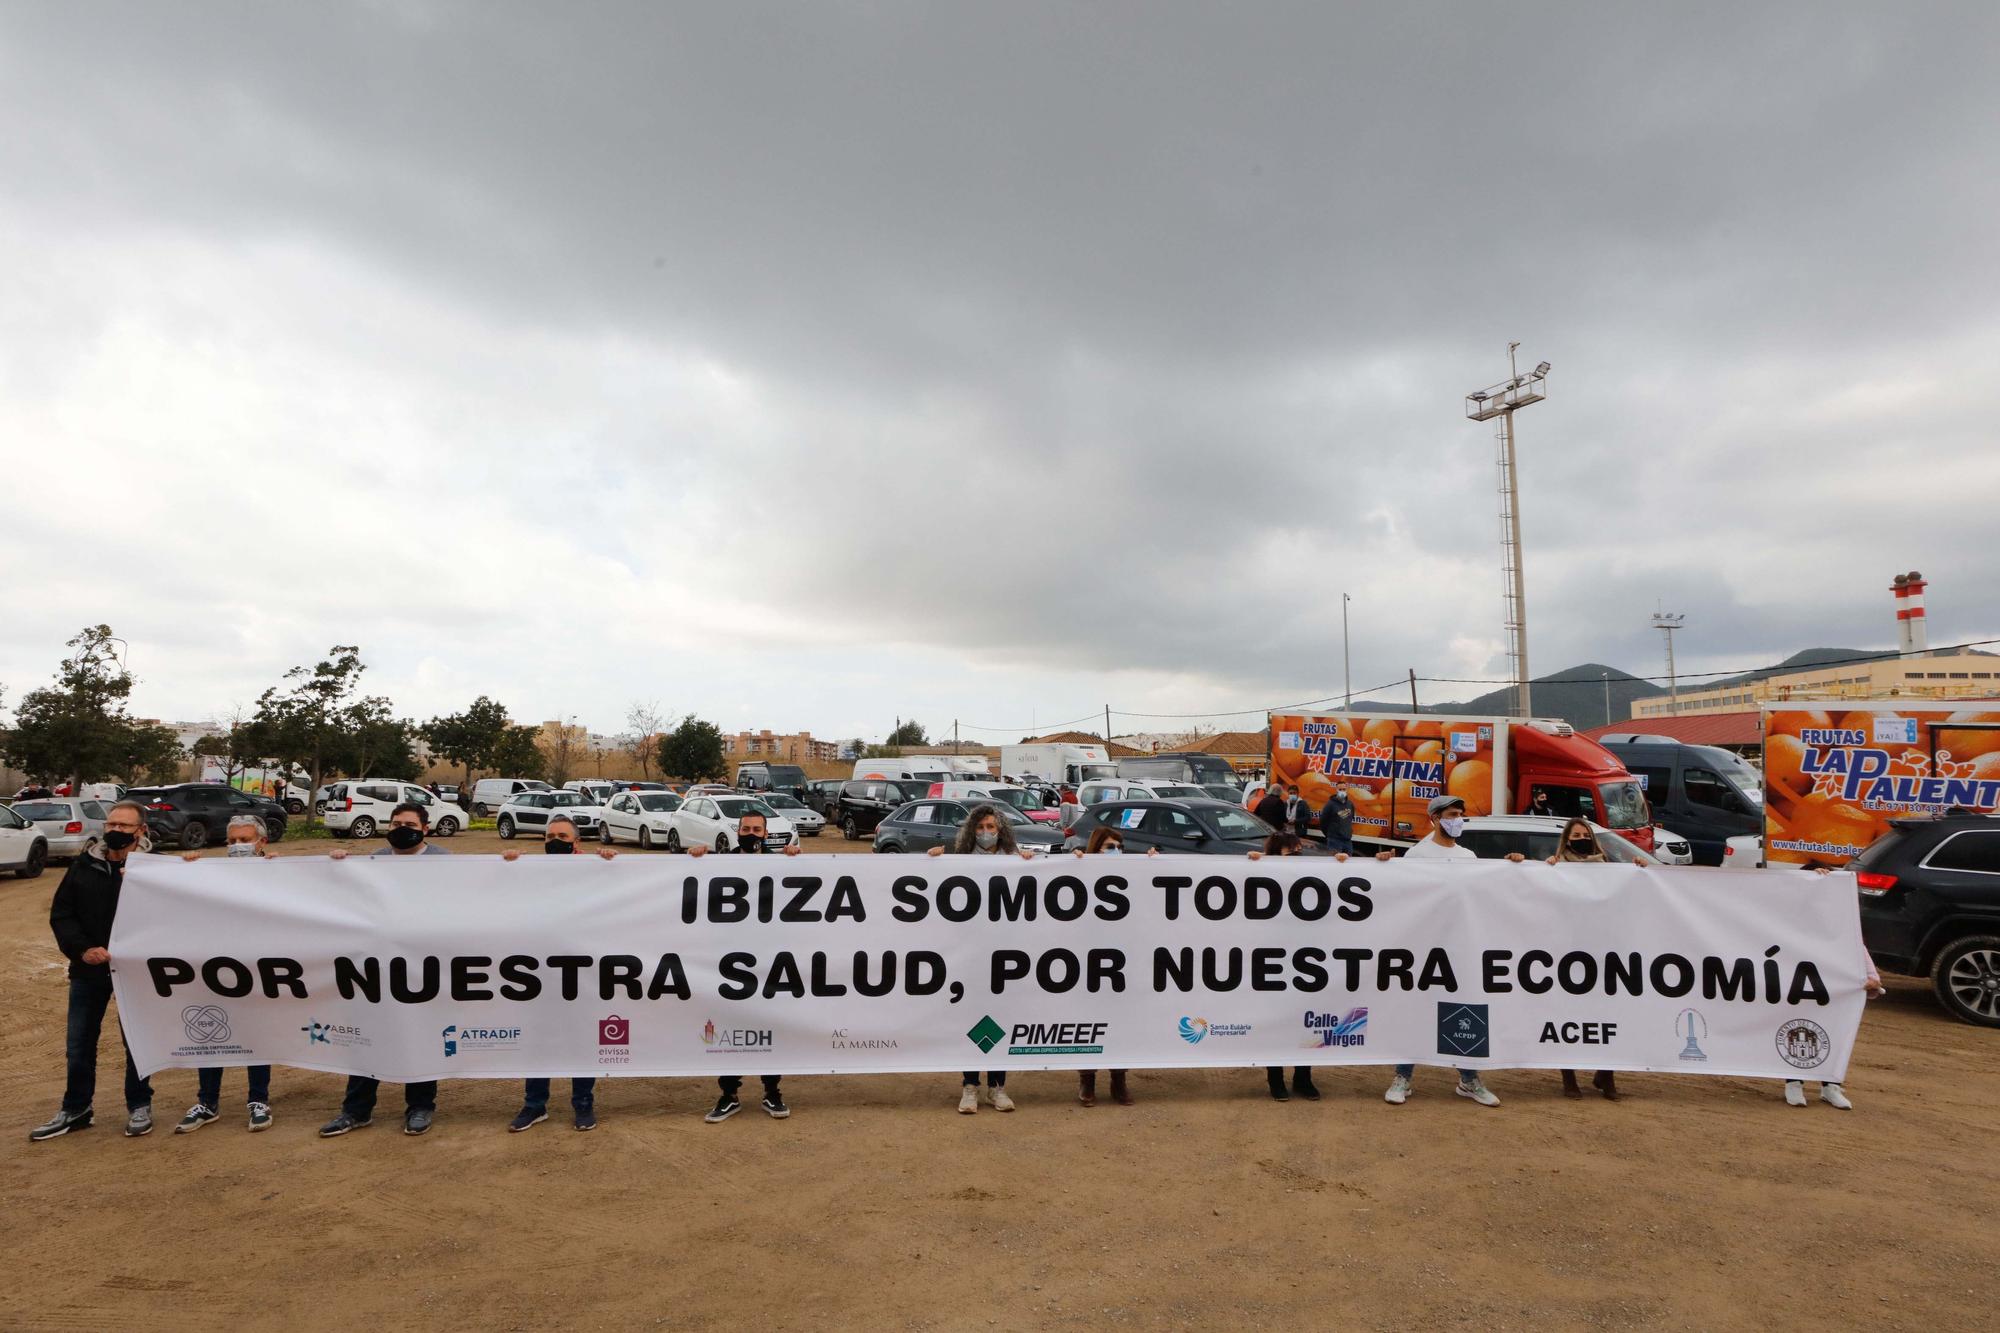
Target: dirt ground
{"type": "Point", "coordinates": [1693, 1203]}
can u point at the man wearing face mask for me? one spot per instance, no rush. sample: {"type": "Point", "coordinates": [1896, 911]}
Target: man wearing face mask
{"type": "Point", "coordinates": [408, 823]}
{"type": "Point", "coordinates": [1336, 821]}
{"type": "Point", "coordinates": [558, 840]}
{"type": "Point", "coordinates": [751, 829]}
{"type": "Point", "coordinates": [246, 841]}
{"type": "Point", "coordinates": [85, 904]}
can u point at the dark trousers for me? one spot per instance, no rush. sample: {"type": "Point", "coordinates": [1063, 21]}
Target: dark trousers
{"type": "Point", "coordinates": [582, 1094]}
{"type": "Point", "coordinates": [1336, 843]}
{"type": "Point", "coordinates": [996, 1078]}
{"type": "Point", "coordinates": [360, 1099]}
{"type": "Point", "coordinates": [88, 998]}
{"type": "Point", "coordinates": [208, 1085]}
{"type": "Point", "coordinates": [729, 1083]}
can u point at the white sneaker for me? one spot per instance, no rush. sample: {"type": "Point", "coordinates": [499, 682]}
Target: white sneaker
{"type": "Point", "coordinates": [1001, 1101]}
{"type": "Point", "coordinates": [1831, 1094]}
{"type": "Point", "coordinates": [1399, 1091]}
{"type": "Point", "coordinates": [968, 1099]}
{"type": "Point", "coordinates": [1478, 1091]}
{"type": "Point", "coordinates": [1795, 1092]}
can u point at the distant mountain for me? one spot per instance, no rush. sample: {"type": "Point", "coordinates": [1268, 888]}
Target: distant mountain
{"type": "Point", "coordinates": [1576, 695]}
{"type": "Point", "coordinates": [1799, 661]}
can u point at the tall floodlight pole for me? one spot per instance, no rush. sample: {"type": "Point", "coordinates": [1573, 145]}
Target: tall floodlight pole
{"type": "Point", "coordinates": [1502, 400]}
{"type": "Point", "coordinates": [1346, 663]}
{"type": "Point", "coordinates": [1607, 696]}
{"type": "Point", "coordinates": [1667, 624]}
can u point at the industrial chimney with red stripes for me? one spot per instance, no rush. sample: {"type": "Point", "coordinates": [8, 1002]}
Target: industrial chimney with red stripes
{"type": "Point", "coordinates": [1910, 631]}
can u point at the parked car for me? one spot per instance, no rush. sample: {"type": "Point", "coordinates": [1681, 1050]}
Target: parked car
{"type": "Point", "coordinates": [360, 807]}
{"type": "Point", "coordinates": [866, 802]}
{"type": "Point", "coordinates": [922, 825]}
{"type": "Point", "coordinates": [1034, 805]}
{"type": "Point", "coordinates": [530, 812]}
{"type": "Point", "coordinates": [489, 794]}
{"type": "Point", "coordinates": [761, 777]}
{"type": "Point", "coordinates": [638, 816]}
{"type": "Point", "coordinates": [1218, 828]}
{"type": "Point", "coordinates": [67, 823]}
{"type": "Point", "coordinates": [191, 815]}
{"type": "Point", "coordinates": [1535, 836]}
{"type": "Point", "coordinates": [1100, 790]}
{"type": "Point", "coordinates": [711, 820]}
{"type": "Point", "coordinates": [1930, 906]}
{"type": "Point", "coordinates": [24, 848]}
{"type": "Point", "coordinates": [823, 794]}
{"type": "Point", "coordinates": [451, 793]}
{"type": "Point", "coordinates": [809, 822]}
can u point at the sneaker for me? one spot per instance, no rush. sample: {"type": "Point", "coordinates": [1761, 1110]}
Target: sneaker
{"type": "Point", "coordinates": [1001, 1101]}
{"type": "Point", "coordinates": [1478, 1091]}
{"type": "Point", "coordinates": [260, 1116]}
{"type": "Point", "coordinates": [1302, 1086]}
{"type": "Point", "coordinates": [197, 1116]}
{"type": "Point", "coordinates": [62, 1123]}
{"type": "Point", "coordinates": [526, 1120]}
{"type": "Point", "coordinates": [1831, 1094]}
{"type": "Point", "coordinates": [139, 1123]}
{"type": "Point", "coordinates": [418, 1121]}
{"type": "Point", "coordinates": [774, 1106]}
{"type": "Point", "coordinates": [586, 1118]}
{"type": "Point", "coordinates": [1275, 1078]}
{"type": "Point", "coordinates": [725, 1106]}
{"type": "Point", "coordinates": [342, 1124]}
{"type": "Point", "coordinates": [968, 1099]}
{"type": "Point", "coordinates": [1399, 1091]}
{"type": "Point", "coordinates": [1795, 1092]}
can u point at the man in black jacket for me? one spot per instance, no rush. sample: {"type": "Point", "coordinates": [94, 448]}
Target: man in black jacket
{"type": "Point", "coordinates": [1336, 820]}
{"type": "Point", "coordinates": [86, 903]}
{"type": "Point", "coordinates": [1270, 807]}
{"type": "Point", "coordinates": [750, 831]}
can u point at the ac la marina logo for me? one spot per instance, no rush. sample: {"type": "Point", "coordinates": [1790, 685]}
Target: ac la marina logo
{"type": "Point", "coordinates": [1085, 1038]}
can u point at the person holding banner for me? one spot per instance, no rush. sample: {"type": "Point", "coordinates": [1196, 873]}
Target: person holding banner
{"type": "Point", "coordinates": [1103, 842]}
{"type": "Point", "coordinates": [80, 916]}
{"type": "Point", "coordinates": [408, 823]}
{"type": "Point", "coordinates": [984, 833]}
{"type": "Point", "coordinates": [1578, 843]}
{"type": "Point", "coordinates": [245, 838]}
{"type": "Point", "coordinates": [1832, 1093]}
{"type": "Point", "coordinates": [1287, 844]}
{"type": "Point", "coordinates": [558, 839]}
{"type": "Point", "coordinates": [751, 830]}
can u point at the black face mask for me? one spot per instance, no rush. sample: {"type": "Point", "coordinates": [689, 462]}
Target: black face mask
{"type": "Point", "coordinates": [118, 839]}
{"type": "Point", "coordinates": [1582, 847]}
{"type": "Point", "coordinates": [750, 842]}
{"type": "Point", "coordinates": [557, 847]}
{"type": "Point", "coordinates": [402, 837]}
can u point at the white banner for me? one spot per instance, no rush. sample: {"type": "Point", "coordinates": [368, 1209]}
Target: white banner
{"type": "Point", "coordinates": [413, 968]}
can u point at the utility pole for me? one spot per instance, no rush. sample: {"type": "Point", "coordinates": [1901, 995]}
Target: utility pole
{"type": "Point", "coordinates": [1667, 624]}
{"type": "Point", "coordinates": [1502, 400]}
{"type": "Point", "coordinates": [1346, 664]}
{"type": "Point", "coordinates": [1607, 696]}
{"type": "Point", "coordinates": [954, 736]}
{"type": "Point", "coordinates": [1415, 707]}
{"type": "Point", "coordinates": [1107, 727]}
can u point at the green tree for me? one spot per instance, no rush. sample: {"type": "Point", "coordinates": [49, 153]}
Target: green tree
{"type": "Point", "coordinates": [909, 733]}
{"type": "Point", "coordinates": [468, 738]}
{"type": "Point", "coordinates": [78, 728]}
{"type": "Point", "coordinates": [303, 724]}
{"type": "Point", "coordinates": [374, 743]}
{"type": "Point", "coordinates": [516, 754]}
{"type": "Point", "coordinates": [693, 751]}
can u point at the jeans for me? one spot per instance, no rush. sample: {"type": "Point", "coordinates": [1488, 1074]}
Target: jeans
{"type": "Point", "coordinates": [88, 998]}
{"type": "Point", "coordinates": [729, 1083]}
{"type": "Point", "coordinates": [1338, 844]}
{"type": "Point", "coordinates": [360, 1099]}
{"type": "Point", "coordinates": [1464, 1075]}
{"type": "Point", "coordinates": [995, 1078]}
{"type": "Point", "coordinates": [582, 1094]}
{"type": "Point", "coordinates": [208, 1085]}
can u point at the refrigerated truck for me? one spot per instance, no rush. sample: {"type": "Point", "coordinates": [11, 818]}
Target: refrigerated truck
{"type": "Point", "coordinates": [1394, 764]}
{"type": "Point", "coordinates": [1837, 771]}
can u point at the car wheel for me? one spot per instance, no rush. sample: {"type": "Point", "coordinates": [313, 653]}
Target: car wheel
{"type": "Point", "coordinates": [673, 839]}
{"type": "Point", "coordinates": [645, 838]}
{"type": "Point", "coordinates": [480, 810]}
{"type": "Point", "coordinates": [722, 842]}
{"type": "Point", "coordinates": [274, 829]}
{"type": "Point", "coordinates": [506, 828]}
{"type": "Point", "coordinates": [319, 808]}
{"type": "Point", "coordinates": [363, 827]}
{"type": "Point", "coordinates": [194, 836]}
{"type": "Point", "coordinates": [38, 856]}
{"type": "Point", "coordinates": [887, 848]}
{"type": "Point", "coordinates": [850, 830]}
{"type": "Point", "coordinates": [1966, 977]}
{"type": "Point", "coordinates": [295, 806]}
{"type": "Point", "coordinates": [445, 827]}
{"type": "Point", "coordinates": [604, 832]}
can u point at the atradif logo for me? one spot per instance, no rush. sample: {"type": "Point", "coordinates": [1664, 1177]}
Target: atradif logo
{"type": "Point", "coordinates": [1690, 1024]}
{"type": "Point", "coordinates": [451, 1041]}
{"type": "Point", "coordinates": [734, 1041]}
{"type": "Point", "coordinates": [469, 1038]}
{"type": "Point", "coordinates": [986, 1034]}
{"type": "Point", "coordinates": [1804, 1044]}
{"type": "Point", "coordinates": [1462, 1030]}
{"type": "Point", "coordinates": [1339, 1031]}
{"type": "Point", "coordinates": [205, 1024]}
{"type": "Point", "coordinates": [1193, 1030]}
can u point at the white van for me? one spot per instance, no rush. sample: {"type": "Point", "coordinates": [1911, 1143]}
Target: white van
{"type": "Point", "coordinates": [916, 768]}
{"type": "Point", "coordinates": [360, 807]}
{"type": "Point", "coordinates": [489, 794]}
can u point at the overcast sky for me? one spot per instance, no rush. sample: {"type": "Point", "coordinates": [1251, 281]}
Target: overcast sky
{"type": "Point", "coordinates": [806, 366]}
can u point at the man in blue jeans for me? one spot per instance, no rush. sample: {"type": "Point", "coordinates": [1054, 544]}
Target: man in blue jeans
{"type": "Point", "coordinates": [245, 837]}
{"type": "Point", "coordinates": [408, 823]}
{"type": "Point", "coordinates": [80, 915]}
{"type": "Point", "coordinates": [558, 839]}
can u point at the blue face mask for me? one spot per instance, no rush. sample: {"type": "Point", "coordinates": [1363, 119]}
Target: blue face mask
{"type": "Point", "coordinates": [1113, 849]}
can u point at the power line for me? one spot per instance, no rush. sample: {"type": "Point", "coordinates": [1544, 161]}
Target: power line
{"type": "Point", "coordinates": [1731, 671]}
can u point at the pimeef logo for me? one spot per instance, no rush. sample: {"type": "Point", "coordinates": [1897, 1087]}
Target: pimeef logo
{"type": "Point", "coordinates": [986, 1034]}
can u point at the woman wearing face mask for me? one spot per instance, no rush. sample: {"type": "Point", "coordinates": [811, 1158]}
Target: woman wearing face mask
{"type": "Point", "coordinates": [984, 833]}
{"type": "Point", "coordinates": [1578, 843]}
{"type": "Point", "coordinates": [559, 839]}
{"type": "Point", "coordinates": [1287, 844]}
{"type": "Point", "coordinates": [1104, 842]}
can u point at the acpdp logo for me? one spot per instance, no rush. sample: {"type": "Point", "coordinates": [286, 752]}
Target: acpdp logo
{"type": "Point", "coordinates": [1462, 1030]}
{"type": "Point", "coordinates": [986, 1034]}
{"type": "Point", "coordinates": [205, 1024]}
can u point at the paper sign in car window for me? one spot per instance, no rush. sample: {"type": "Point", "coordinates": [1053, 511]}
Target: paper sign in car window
{"type": "Point", "coordinates": [1464, 742]}
{"type": "Point", "coordinates": [1130, 818]}
{"type": "Point", "coordinates": [1288, 740]}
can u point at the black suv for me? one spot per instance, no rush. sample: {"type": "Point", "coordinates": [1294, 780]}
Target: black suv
{"type": "Point", "coordinates": [1214, 827]}
{"type": "Point", "coordinates": [1930, 906]}
{"type": "Point", "coordinates": [194, 814]}
{"type": "Point", "coordinates": [865, 802]}
{"type": "Point", "coordinates": [823, 795]}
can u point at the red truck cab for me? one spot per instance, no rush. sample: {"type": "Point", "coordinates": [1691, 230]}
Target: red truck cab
{"type": "Point", "coordinates": [1579, 777]}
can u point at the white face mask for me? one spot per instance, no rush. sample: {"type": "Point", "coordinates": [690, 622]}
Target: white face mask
{"type": "Point", "coordinates": [1112, 849]}
{"type": "Point", "coordinates": [1453, 825]}
{"type": "Point", "coordinates": [987, 839]}
{"type": "Point", "coordinates": [242, 849]}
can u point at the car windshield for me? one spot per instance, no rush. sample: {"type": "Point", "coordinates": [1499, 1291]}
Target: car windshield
{"type": "Point", "coordinates": [1736, 770]}
{"type": "Point", "coordinates": [1092, 772]}
{"type": "Point", "coordinates": [1014, 798]}
{"type": "Point", "coordinates": [1233, 823]}
{"type": "Point", "coordinates": [1178, 790]}
{"type": "Point", "coordinates": [740, 806]}
{"type": "Point", "coordinates": [669, 804]}
{"type": "Point", "coordinates": [1618, 849]}
{"type": "Point", "coordinates": [42, 810]}
{"type": "Point", "coordinates": [1624, 806]}
{"type": "Point", "coordinates": [569, 798]}
{"type": "Point", "coordinates": [786, 775]}
{"type": "Point", "coordinates": [782, 801]}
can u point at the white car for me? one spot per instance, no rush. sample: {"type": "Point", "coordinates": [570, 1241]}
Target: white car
{"type": "Point", "coordinates": [530, 812]}
{"type": "Point", "coordinates": [361, 807]}
{"type": "Point", "coordinates": [711, 821]}
{"type": "Point", "coordinates": [1670, 848]}
{"type": "Point", "coordinates": [1535, 836]}
{"type": "Point", "coordinates": [1743, 852]}
{"type": "Point", "coordinates": [24, 848]}
{"type": "Point", "coordinates": [68, 824]}
{"type": "Point", "coordinates": [489, 794]}
{"type": "Point", "coordinates": [809, 822]}
{"type": "Point", "coordinates": [638, 816]}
